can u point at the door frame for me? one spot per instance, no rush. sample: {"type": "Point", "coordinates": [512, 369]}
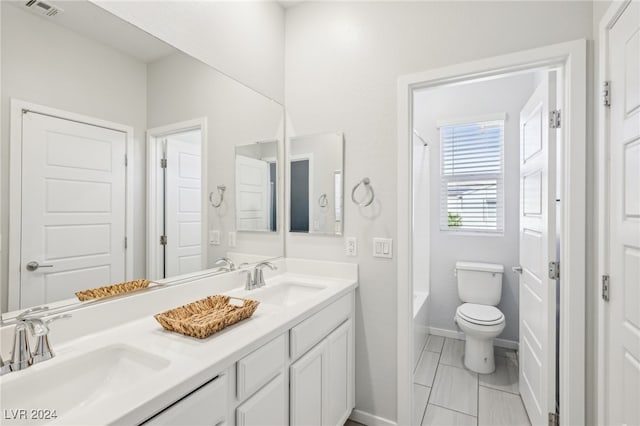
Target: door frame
{"type": "Point", "coordinates": [17, 108]}
{"type": "Point", "coordinates": [572, 57]}
{"type": "Point", "coordinates": [154, 185]}
{"type": "Point", "coordinates": [607, 22]}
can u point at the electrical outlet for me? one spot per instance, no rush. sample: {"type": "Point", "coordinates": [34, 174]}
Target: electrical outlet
{"type": "Point", "coordinates": [232, 239]}
{"type": "Point", "coordinates": [383, 247]}
{"type": "Point", "coordinates": [351, 246]}
{"type": "Point", "coordinates": [214, 238]}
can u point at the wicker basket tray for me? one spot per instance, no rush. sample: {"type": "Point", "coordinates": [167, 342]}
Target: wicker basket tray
{"type": "Point", "coordinates": [206, 316]}
{"type": "Point", "coordinates": [112, 290]}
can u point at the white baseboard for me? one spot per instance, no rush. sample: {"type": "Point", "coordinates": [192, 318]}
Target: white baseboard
{"type": "Point", "coordinates": [455, 334]}
{"type": "Point", "coordinates": [369, 419]}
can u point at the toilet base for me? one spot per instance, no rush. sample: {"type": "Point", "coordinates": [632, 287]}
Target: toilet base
{"type": "Point", "coordinates": [478, 355]}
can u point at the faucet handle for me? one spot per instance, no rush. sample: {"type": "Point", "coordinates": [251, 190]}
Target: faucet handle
{"type": "Point", "coordinates": [5, 367]}
{"type": "Point", "coordinates": [24, 314]}
{"type": "Point", "coordinates": [43, 350]}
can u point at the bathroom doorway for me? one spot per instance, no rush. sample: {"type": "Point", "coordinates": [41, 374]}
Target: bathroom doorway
{"type": "Point", "coordinates": [177, 210]}
{"type": "Point", "coordinates": [475, 201]}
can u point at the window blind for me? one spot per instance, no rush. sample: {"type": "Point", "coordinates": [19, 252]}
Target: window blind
{"type": "Point", "coordinates": [472, 176]}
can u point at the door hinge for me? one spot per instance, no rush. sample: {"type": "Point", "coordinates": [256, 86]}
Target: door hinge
{"type": "Point", "coordinates": [554, 270]}
{"type": "Point", "coordinates": [555, 119]}
{"type": "Point", "coordinates": [126, 161]}
{"type": "Point", "coordinates": [163, 163]}
{"type": "Point", "coordinates": [605, 287]}
{"type": "Point", "coordinates": [606, 93]}
{"type": "Point", "coordinates": [125, 242]}
{"type": "Point", "coordinates": [163, 240]}
{"type": "Point", "coordinates": [554, 419]}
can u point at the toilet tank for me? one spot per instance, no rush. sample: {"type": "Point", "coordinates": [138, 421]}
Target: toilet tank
{"type": "Point", "coordinates": [479, 282]}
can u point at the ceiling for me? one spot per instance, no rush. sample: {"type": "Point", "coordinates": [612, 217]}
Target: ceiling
{"type": "Point", "coordinates": [94, 22]}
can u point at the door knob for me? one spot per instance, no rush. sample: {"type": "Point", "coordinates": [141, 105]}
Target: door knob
{"type": "Point", "coordinates": [517, 269]}
{"type": "Point", "coordinates": [33, 266]}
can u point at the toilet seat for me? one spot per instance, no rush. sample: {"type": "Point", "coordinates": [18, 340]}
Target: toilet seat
{"type": "Point", "coordinates": [480, 314]}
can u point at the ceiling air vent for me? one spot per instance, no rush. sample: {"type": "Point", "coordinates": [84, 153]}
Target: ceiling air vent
{"type": "Point", "coordinates": [43, 7]}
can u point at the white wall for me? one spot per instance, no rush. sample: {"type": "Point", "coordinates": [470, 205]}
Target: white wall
{"type": "Point", "coordinates": [342, 64]}
{"type": "Point", "coordinates": [243, 39]}
{"type": "Point", "coordinates": [181, 88]}
{"type": "Point", "coordinates": [505, 95]}
{"type": "Point", "coordinates": [49, 65]}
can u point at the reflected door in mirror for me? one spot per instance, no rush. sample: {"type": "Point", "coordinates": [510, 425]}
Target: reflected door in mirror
{"type": "Point", "coordinates": [73, 208]}
{"type": "Point", "coordinates": [300, 195]}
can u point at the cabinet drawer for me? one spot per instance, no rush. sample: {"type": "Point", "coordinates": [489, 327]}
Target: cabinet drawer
{"type": "Point", "coordinates": [310, 331]}
{"type": "Point", "coordinates": [204, 406]}
{"type": "Point", "coordinates": [260, 366]}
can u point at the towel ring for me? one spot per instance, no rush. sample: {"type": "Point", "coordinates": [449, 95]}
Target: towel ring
{"type": "Point", "coordinates": [367, 183]}
{"type": "Point", "coordinates": [221, 189]}
{"type": "Point", "coordinates": [323, 201]}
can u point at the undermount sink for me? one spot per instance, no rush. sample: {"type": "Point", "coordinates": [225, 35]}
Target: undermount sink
{"type": "Point", "coordinates": [75, 383]}
{"type": "Point", "coordinates": [286, 294]}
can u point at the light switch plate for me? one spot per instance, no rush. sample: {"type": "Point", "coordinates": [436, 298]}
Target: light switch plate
{"type": "Point", "coordinates": [383, 247]}
{"type": "Point", "coordinates": [232, 239]}
{"type": "Point", "coordinates": [214, 238]}
{"type": "Point", "coordinates": [351, 246]}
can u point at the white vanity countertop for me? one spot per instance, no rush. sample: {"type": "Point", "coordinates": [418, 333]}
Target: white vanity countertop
{"type": "Point", "coordinates": [191, 362]}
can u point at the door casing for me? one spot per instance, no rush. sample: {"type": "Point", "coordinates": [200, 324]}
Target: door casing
{"type": "Point", "coordinates": [571, 58]}
{"type": "Point", "coordinates": [15, 187]}
{"type": "Point", "coordinates": [154, 190]}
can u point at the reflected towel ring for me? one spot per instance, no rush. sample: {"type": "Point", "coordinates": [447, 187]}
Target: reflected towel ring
{"type": "Point", "coordinates": [323, 201]}
{"type": "Point", "coordinates": [221, 189]}
{"type": "Point", "coordinates": [367, 183]}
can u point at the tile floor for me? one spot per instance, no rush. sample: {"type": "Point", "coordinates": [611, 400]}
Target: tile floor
{"type": "Point", "coordinates": [445, 393]}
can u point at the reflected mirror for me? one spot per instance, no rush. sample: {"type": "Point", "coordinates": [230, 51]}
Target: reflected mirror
{"type": "Point", "coordinates": [118, 158]}
{"type": "Point", "coordinates": [256, 187]}
{"type": "Point", "coordinates": [316, 165]}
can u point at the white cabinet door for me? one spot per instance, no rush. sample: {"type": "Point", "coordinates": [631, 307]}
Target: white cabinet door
{"type": "Point", "coordinates": [267, 407]}
{"type": "Point", "coordinates": [338, 375]}
{"type": "Point", "coordinates": [206, 406]}
{"type": "Point", "coordinates": [306, 388]}
{"type": "Point", "coordinates": [322, 381]}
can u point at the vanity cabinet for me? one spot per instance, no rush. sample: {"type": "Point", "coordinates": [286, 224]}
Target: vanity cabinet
{"type": "Point", "coordinates": [320, 381]}
{"type": "Point", "coordinates": [303, 377]}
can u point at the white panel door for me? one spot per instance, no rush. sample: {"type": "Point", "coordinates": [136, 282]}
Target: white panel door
{"type": "Point", "coordinates": [623, 328]}
{"type": "Point", "coordinates": [73, 208]}
{"type": "Point", "coordinates": [306, 388]}
{"type": "Point", "coordinates": [268, 407]}
{"type": "Point", "coordinates": [338, 385]}
{"type": "Point", "coordinates": [253, 194]}
{"type": "Point", "coordinates": [183, 217]}
{"type": "Point", "coordinates": [537, 249]}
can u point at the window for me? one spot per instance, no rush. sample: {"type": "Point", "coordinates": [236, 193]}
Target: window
{"type": "Point", "coordinates": [471, 173]}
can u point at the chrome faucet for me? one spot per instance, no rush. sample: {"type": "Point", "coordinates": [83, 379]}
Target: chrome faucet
{"type": "Point", "coordinates": [228, 264]}
{"type": "Point", "coordinates": [256, 279]}
{"type": "Point", "coordinates": [22, 357]}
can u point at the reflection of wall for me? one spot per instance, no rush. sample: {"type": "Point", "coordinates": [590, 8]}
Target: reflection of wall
{"type": "Point", "coordinates": [242, 39]}
{"type": "Point", "coordinates": [181, 88]}
{"type": "Point", "coordinates": [342, 64]}
{"type": "Point", "coordinates": [259, 151]}
{"type": "Point", "coordinates": [506, 95]}
{"type": "Point", "coordinates": [46, 64]}
{"type": "Point", "coordinates": [327, 158]}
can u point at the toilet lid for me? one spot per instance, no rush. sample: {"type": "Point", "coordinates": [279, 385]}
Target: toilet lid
{"type": "Point", "coordinates": [480, 314]}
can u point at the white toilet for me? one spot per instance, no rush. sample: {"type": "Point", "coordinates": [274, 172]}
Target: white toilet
{"type": "Point", "coordinates": [480, 290]}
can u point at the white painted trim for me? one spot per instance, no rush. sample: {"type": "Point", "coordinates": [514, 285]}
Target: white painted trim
{"type": "Point", "coordinates": [15, 187]}
{"type": "Point", "coordinates": [502, 116]}
{"type": "Point", "coordinates": [153, 186]}
{"type": "Point", "coordinates": [602, 201]}
{"type": "Point", "coordinates": [459, 335]}
{"type": "Point", "coordinates": [370, 419]}
{"type": "Point", "coordinates": [571, 55]}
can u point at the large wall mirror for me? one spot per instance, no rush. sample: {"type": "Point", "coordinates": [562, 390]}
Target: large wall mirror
{"type": "Point", "coordinates": [316, 169]}
{"type": "Point", "coordinates": [124, 158]}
